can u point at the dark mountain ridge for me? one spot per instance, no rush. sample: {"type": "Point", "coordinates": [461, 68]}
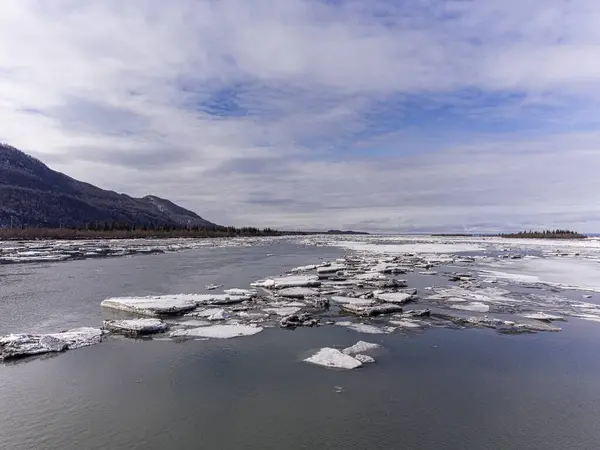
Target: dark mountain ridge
{"type": "Point", "coordinates": [33, 195]}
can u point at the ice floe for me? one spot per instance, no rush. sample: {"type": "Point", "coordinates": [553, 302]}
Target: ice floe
{"type": "Point", "coordinates": [407, 323]}
{"type": "Point", "coordinates": [570, 273]}
{"type": "Point", "coordinates": [295, 320]}
{"type": "Point", "coordinates": [361, 347]}
{"type": "Point", "coordinates": [365, 328]}
{"type": "Point", "coordinates": [21, 345]}
{"type": "Point", "coordinates": [307, 268]}
{"type": "Point", "coordinates": [136, 327]}
{"type": "Point", "coordinates": [395, 297]}
{"type": "Point", "coordinates": [472, 306]}
{"type": "Point", "coordinates": [218, 331]}
{"type": "Point", "coordinates": [353, 301]}
{"type": "Point", "coordinates": [365, 359]}
{"type": "Point", "coordinates": [333, 358]}
{"type": "Point", "coordinates": [212, 287]}
{"type": "Point", "coordinates": [376, 310]}
{"type": "Point", "coordinates": [282, 311]}
{"type": "Point", "coordinates": [154, 305]}
{"type": "Point", "coordinates": [408, 247]}
{"type": "Point", "coordinates": [330, 269]}
{"type": "Point", "coordinates": [240, 292]}
{"type": "Point", "coordinates": [543, 316]}
{"type": "Point", "coordinates": [297, 292]}
{"type": "Point", "coordinates": [177, 304]}
{"type": "Point", "coordinates": [288, 282]}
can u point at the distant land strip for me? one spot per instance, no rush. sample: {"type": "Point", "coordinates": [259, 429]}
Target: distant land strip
{"type": "Point", "coordinates": [546, 234]}
{"type": "Point", "coordinates": [108, 231]}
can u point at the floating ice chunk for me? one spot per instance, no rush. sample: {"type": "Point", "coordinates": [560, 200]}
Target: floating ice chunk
{"type": "Point", "coordinates": [491, 322]}
{"type": "Point", "coordinates": [395, 297]}
{"type": "Point", "coordinates": [473, 306]}
{"type": "Point", "coordinates": [297, 292]}
{"type": "Point", "coordinates": [365, 359]}
{"type": "Point", "coordinates": [543, 316]}
{"type": "Point", "coordinates": [330, 357]}
{"type": "Point", "coordinates": [291, 281]}
{"type": "Point", "coordinates": [136, 327]}
{"type": "Point", "coordinates": [253, 315]}
{"type": "Point", "coordinates": [407, 323]}
{"type": "Point", "coordinates": [218, 315]}
{"type": "Point", "coordinates": [193, 323]}
{"type": "Point", "coordinates": [212, 287]}
{"type": "Point", "coordinates": [386, 308]}
{"type": "Point", "coordinates": [79, 337]}
{"type": "Point", "coordinates": [371, 276]}
{"type": "Point", "coordinates": [364, 328]}
{"type": "Point", "coordinates": [353, 301]}
{"type": "Point", "coordinates": [360, 347]}
{"type": "Point", "coordinates": [333, 268]}
{"type": "Point", "coordinates": [282, 311]}
{"type": "Point", "coordinates": [416, 313]}
{"type": "Point", "coordinates": [294, 320]}
{"type": "Point", "coordinates": [296, 281]}
{"type": "Point", "coordinates": [154, 305]}
{"type": "Point", "coordinates": [20, 345]}
{"type": "Point", "coordinates": [208, 312]}
{"type": "Point", "coordinates": [268, 283]}
{"type": "Point", "coordinates": [220, 299]}
{"type": "Point", "coordinates": [304, 268]}
{"type": "Point", "coordinates": [240, 292]}
{"type": "Point", "coordinates": [459, 294]}
{"type": "Point", "coordinates": [295, 304]}
{"type": "Point", "coordinates": [533, 326]}
{"type": "Point", "coordinates": [218, 331]}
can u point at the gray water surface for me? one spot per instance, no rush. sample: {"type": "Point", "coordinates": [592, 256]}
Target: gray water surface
{"type": "Point", "coordinates": [443, 389]}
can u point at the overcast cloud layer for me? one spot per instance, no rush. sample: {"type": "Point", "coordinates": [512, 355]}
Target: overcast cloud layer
{"type": "Point", "coordinates": [416, 115]}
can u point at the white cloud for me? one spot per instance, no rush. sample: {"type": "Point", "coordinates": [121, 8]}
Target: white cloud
{"type": "Point", "coordinates": [126, 95]}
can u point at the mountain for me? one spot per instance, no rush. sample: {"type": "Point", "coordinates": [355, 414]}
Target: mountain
{"type": "Point", "coordinates": [33, 195]}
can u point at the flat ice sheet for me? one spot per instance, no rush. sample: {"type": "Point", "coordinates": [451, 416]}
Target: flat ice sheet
{"type": "Point", "coordinates": [218, 331]}
{"type": "Point", "coordinates": [136, 326]}
{"type": "Point", "coordinates": [20, 345]}
{"type": "Point", "coordinates": [395, 297]}
{"type": "Point", "coordinates": [409, 247]}
{"type": "Point", "coordinates": [154, 305]}
{"type": "Point", "coordinates": [353, 301]}
{"type": "Point", "coordinates": [283, 310]}
{"type": "Point", "coordinates": [472, 306]}
{"type": "Point", "coordinates": [576, 273]}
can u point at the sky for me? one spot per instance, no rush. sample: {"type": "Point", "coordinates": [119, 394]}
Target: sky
{"type": "Point", "coordinates": [376, 115]}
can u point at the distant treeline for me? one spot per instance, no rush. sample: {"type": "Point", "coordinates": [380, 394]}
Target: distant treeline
{"type": "Point", "coordinates": [128, 231]}
{"type": "Point", "coordinates": [456, 235]}
{"type": "Point", "coordinates": [347, 232]}
{"type": "Point", "coordinates": [547, 234]}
